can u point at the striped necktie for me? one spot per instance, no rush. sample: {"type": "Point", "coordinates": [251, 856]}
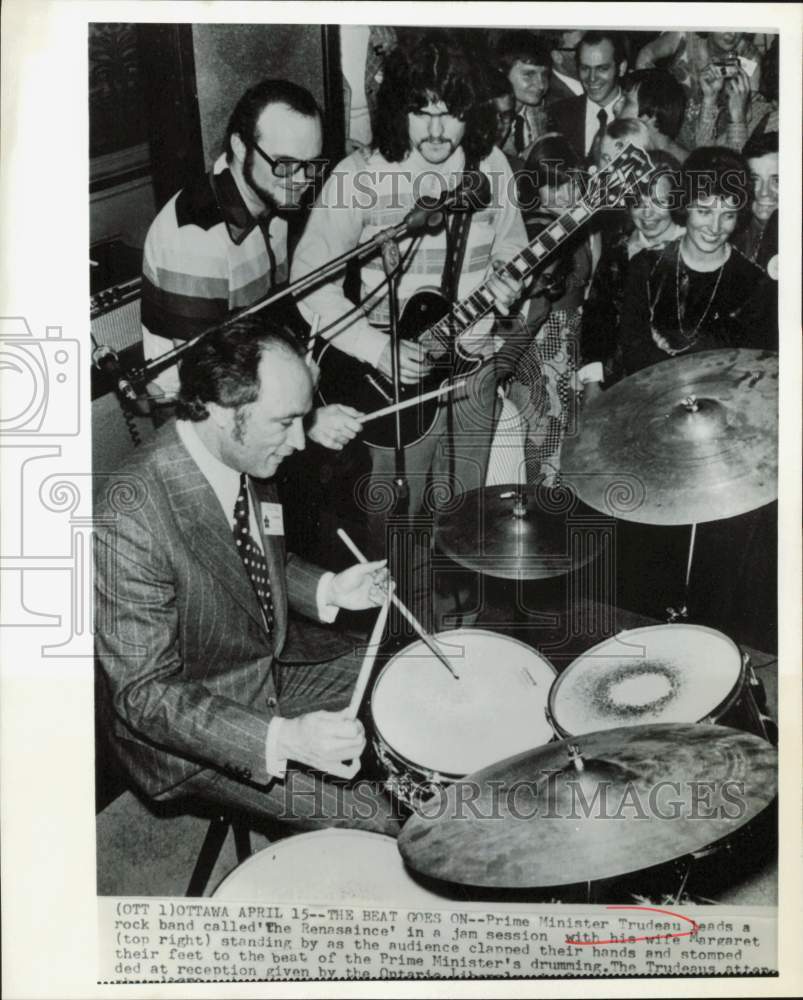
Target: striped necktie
{"type": "Point", "coordinates": [251, 554]}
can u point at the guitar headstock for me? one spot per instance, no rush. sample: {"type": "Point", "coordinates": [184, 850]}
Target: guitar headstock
{"type": "Point", "coordinates": [621, 176]}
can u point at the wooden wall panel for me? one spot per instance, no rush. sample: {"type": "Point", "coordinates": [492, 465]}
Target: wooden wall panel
{"type": "Point", "coordinates": [229, 58]}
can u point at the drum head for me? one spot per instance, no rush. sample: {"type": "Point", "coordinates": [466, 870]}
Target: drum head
{"type": "Point", "coordinates": [327, 866]}
{"type": "Point", "coordinates": [663, 673]}
{"type": "Point", "coordinates": [496, 708]}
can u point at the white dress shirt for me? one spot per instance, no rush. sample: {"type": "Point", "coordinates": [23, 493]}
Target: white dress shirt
{"type": "Point", "coordinates": [592, 122]}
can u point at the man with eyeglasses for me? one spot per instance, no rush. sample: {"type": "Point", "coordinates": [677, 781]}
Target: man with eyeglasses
{"type": "Point", "coordinates": [223, 242]}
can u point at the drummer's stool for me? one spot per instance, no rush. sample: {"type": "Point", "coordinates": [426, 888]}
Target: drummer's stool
{"type": "Point", "coordinates": [213, 844]}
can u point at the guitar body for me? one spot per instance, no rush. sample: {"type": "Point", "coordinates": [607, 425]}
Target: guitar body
{"type": "Point", "coordinates": [430, 319]}
{"type": "Point", "coordinates": [347, 380]}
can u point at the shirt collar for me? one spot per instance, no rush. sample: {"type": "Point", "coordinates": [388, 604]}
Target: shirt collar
{"type": "Point", "coordinates": [239, 221]}
{"type": "Point", "coordinates": [225, 481]}
{"type": "Point", "coordinates": [607, 107]}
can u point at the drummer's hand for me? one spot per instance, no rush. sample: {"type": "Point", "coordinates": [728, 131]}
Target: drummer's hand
{"type": "Point", "coordinates": [505, 290]}
{"type": "Point", "coordinates": [324, 740]}
{"type": "Point", "coordinates": [335, 425]}
{"type": "Point", "coordinates": [361, 586]}
{"type": "Point", "coordinates": [413, 363]}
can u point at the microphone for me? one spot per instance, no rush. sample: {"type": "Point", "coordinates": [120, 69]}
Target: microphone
{"type": "Point", "coordinates": [472, 193]}
{"type": "Point", "coordinates": [107, 361]}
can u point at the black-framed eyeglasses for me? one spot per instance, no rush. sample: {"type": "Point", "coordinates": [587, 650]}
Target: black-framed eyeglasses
{"type": "Point", "coordinates": [284, 167]}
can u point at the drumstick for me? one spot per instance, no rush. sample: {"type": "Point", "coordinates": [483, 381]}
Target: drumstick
{"type": "Point", "coordinates": [386, 410]}
{"type": "Point", "coordinates": [428, 640]}
{"type": "Point", "coordinates": [370, 656]}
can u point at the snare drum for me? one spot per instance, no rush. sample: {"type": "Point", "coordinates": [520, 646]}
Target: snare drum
{"type": "Point", "coordinates": [660, 673]}
{"type": "Point", "coordinates": [430, 729]}
{"type": "Point", "coordinates": [328, 866]}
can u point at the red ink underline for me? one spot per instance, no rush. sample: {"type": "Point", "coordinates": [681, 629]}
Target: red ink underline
{"type": "Point", "coordinates": [649, 937]}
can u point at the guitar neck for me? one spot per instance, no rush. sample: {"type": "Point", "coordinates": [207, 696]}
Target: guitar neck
{"type": "Point", "coordinates": [481, 301]}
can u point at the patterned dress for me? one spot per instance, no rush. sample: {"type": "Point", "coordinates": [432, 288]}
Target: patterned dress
{"type": "Point", "coordinates": [543, 386]}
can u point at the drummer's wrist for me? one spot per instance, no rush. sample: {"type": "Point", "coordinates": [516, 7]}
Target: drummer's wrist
{"type": "Point", "coordinates": [275, 762]}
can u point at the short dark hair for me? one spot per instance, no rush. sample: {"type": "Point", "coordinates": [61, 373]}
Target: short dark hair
{"type": "Point", "coordinates": [514, 46]}
{"type": "Point", "coordinates": [243, 120]}
{"type": "Point", "coordinates": [437, 69]}
{"type": "Point", "coordinates": [552, 161]}
{"type": "Point", "coordinates": [715, 172]}
{"type": "Point", "coordinates": [760, 145]}
{"type": "Point", "coordinates": [660, 96]}
{"type": "Point", "coordinates": [616, 38]}
{"type": "Point", "coordinates": [224, 367]}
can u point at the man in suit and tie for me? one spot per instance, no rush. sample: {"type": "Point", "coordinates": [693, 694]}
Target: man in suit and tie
{"type": "Point", "coordinates": [601, 63]}
{"type": "Point", "coordinates": [192, 593]}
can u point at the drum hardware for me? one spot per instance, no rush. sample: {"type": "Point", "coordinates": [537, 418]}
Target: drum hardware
{"type": "Point", "coordinates": [496, 845]}
{"type": "Point", "coordinates": [428, 733]}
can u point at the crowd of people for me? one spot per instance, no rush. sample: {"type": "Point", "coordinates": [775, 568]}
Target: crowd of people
{"type": "Point", "coordinates": [204, 685]}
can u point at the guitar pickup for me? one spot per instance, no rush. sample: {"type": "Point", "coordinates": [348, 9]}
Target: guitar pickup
{"type": "Point", "coordinates": [375, 385]}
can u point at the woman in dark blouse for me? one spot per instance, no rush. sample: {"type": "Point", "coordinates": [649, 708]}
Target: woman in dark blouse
{"type": "Point", "coordinates": [648, 225]}
{"type": "Point", "coordinates": [700, 292]}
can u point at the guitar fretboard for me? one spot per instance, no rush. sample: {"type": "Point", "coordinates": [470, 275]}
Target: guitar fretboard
{"type": "Point", "coordinates": [481, 301]}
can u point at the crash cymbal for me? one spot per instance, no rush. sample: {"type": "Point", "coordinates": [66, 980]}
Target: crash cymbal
{"type": "Point", "coordinates": [689, 439]}
{"type": "Point", "coordinates": [593, 807]}
{"type": "Point", "coordinates": [515, 532]}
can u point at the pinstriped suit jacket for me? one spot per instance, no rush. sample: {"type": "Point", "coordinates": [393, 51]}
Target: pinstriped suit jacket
{"type": "Point", "coordinates": [180, 636]}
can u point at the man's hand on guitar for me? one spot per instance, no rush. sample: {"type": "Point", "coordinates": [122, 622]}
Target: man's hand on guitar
{"type": "Point", "coordinates": [335, 425]}
{"type": "Point", "coordinates": [505, 289]}
{"type": "Point", "coordinates": [413, 362]}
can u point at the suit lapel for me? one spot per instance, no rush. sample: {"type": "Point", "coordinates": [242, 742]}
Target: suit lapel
{"type": "Point", "coordinates": [203, 524]}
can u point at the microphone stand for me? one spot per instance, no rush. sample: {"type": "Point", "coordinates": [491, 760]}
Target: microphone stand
{"type": "Point", "coordinates": [391, 260]}
{"type": "Point", "coordinates": [418, 218]}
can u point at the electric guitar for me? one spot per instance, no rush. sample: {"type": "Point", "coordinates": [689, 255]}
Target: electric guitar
{"type": "Point", "coordinates": [435, 323]}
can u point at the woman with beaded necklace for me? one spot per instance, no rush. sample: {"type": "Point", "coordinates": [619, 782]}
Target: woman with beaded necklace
{"type": "Point", "coordinates": [700, 292]}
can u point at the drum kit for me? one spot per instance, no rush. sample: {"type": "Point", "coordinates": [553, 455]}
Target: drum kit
{"type": "Point", "coordinates": [508, 773]}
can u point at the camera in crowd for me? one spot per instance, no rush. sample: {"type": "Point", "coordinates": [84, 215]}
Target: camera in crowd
{"type": "Point", "coordinates": [727, 66]}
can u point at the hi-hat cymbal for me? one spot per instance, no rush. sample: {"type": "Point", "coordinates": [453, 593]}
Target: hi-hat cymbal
{"type": "Point", "coordinates": [689, 439]}
{"type": "Point", "coordinates": [510, 531]}
{"type": "Point", "coordinates": [593, 807]}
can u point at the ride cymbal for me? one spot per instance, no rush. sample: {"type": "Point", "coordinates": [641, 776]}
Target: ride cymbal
{"type": "Point", "coordinates": [689, 439]}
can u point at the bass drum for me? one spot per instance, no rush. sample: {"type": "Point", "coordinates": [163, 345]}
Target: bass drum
{"type": "Point", "coordinates": [659, 673]}
{"type": "Point", "coordinates": [328, 866]}
{"type": "Point", "coordinates": [431, 730]}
